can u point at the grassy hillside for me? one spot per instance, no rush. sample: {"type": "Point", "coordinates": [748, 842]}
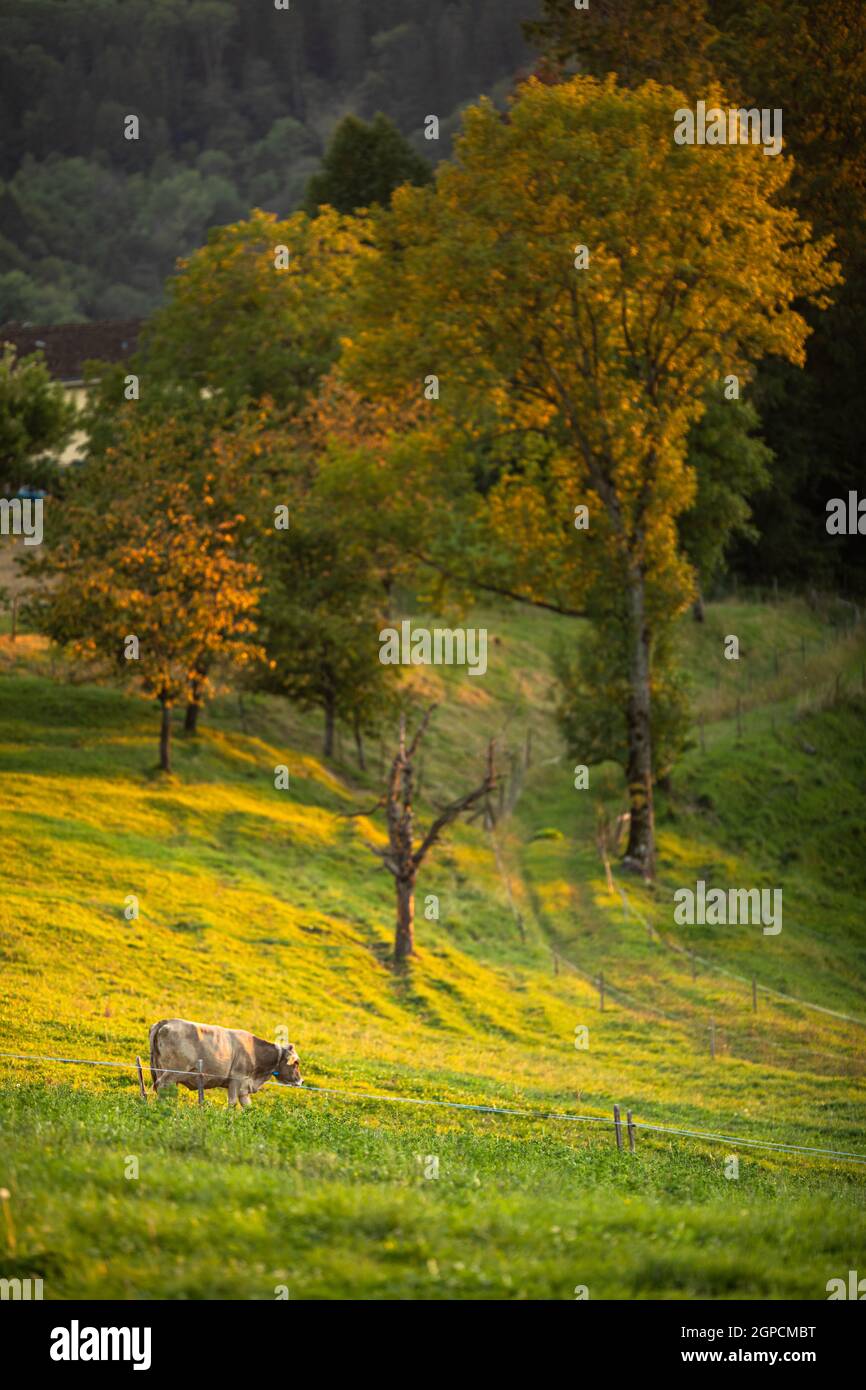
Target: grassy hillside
{"type": "Point", "coordinates": [261, 908]}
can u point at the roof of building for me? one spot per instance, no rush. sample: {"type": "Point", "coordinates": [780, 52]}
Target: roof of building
{"type": "Point", "coordinates": [67, 346]}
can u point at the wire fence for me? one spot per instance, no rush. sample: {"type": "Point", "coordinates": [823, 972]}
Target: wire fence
{"type": "Point", "coordinates": [706, 1136]}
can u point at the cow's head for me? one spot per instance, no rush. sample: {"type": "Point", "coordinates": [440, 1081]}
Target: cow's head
{"type": "Point", "coordinates": [288, 1071]}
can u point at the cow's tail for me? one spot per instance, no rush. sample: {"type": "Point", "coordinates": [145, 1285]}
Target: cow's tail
{"type": "Point", "coordinates": [154, 1053]}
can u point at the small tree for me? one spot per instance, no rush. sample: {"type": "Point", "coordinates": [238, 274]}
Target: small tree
{"type": "Point", "coordinates": [144, 575]}
{"type": "Point", "coordinates": [363, 164]}
{"type": "Point", "coordinates": [403, 857]}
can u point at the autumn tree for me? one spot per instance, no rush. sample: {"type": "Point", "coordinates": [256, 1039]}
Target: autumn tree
{"type": "Point", "coordinates": [589, 278]}
{"type": "Point", "coordinates": [807, 61]}
{"type": "Point", "coordinates": [144, 576]}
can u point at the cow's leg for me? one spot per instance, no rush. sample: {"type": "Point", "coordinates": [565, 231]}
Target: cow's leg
{"type": "Point", "coordinates": [232, 1089]}
{"type": "Point", "coordinates": [244, 1098]}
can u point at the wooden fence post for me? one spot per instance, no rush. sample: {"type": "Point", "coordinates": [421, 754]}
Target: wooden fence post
{"type": "Point", "coordinates": [630, 1123]}
{"type": "Point", "coordinates": [617, 1124]}
{"type": "Point", "coordinates": [200, 1069]}
{"type": "Point", "coordinates": [141, 1079]}
{"type": "Point", "coordinates": [601, 990]}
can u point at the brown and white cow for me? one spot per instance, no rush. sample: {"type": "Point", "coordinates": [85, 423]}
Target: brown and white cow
{"type": "Point", "coordinates": [231, 1057]}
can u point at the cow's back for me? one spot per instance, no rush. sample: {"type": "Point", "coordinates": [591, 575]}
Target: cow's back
{"type": "Point", "coordinates": [177, 1045]}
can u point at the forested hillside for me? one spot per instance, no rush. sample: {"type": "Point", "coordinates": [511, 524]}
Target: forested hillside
{"type": "Point", "coordinates": [236, 101]}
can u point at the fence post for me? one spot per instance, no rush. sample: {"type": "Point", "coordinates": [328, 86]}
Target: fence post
{"type": "Point", "coordinates": [630, 1123]}
{"type": "Point", "coordinates": [601, 990]}
{"type": "Point", "coordinates": [712, 1040]}
{"type": "Point", "coordinates": [617, 1124]}
{"type": "Point", "coordinates": [141, 1079]}
{"type": "Point", "coordinates": [200, 1069]}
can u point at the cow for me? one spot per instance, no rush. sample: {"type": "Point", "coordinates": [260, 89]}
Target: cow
{"type": "Point", "coordinates": [232, 1058]}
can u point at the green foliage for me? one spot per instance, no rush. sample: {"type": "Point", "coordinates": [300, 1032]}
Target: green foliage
{"type": "Point", "coordinates": [35, 418]}
{"type": "Point", "coordinates": [363, 164]}
{"type": "Point", "coordinates": [242, 325]}
{"type": "Point", "coordinates": [594, 694]}
{"type": "Point", "coordinates": [731, 464]}
{"type": "Point", "coordinates": [322, 610]}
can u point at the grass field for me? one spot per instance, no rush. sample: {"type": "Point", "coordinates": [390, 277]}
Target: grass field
{"type": "Point", "coordinates": [261, 908]}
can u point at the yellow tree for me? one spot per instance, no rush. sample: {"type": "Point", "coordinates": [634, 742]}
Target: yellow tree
{"type": "Point", "coordinates": [584, 276]}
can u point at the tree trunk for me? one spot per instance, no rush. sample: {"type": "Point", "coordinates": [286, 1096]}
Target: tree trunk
{"type": "Point", "coordinates": [190, 722]}
{"type": "Point", "coordinates": [404, 938]}
{"type": "Point", "coordinates": [698, 608]}
{"type": "Point", "coordinates": [328, 746]}
{"type": "Point", "coordinates": [640, 851]}
{"type": "Point", "coordinates": [165, 737]}
{"type": "Point", "coordinates": [359, 744]}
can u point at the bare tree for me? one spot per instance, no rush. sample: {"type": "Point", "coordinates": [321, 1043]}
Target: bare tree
{"type": "Point", "coordinates": [403, 858]}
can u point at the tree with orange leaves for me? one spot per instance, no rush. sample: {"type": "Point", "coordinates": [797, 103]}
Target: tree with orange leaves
{"type": "Point", "coordinates": [146, 577]}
